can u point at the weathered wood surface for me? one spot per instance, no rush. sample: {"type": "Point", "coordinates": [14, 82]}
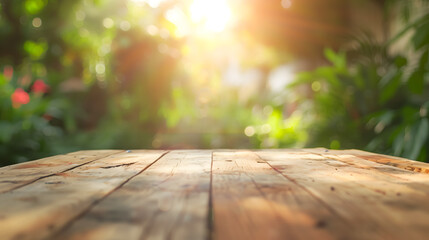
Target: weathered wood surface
{"type": "Point", "coordinates": [216, 194]}
{"type": "Point", "coordinates": [18, 175]}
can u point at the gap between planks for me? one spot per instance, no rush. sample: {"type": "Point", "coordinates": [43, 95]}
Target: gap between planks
{"type": "Point", "coordinates": [362, 195]}
{"type": "Point", "coordinates": [67, 225]}
{"type": "Point", "coordinates": [253, 201]}
{"type": "Point", "coordinates": [169, 200]}
{"type": "Point", "coordinates": [34, 165]}
{"type": "Point", "coordinates": [210, 221]}
{"type": "Point", "coordinates": [38, 210]}
{"type": "Point", "coordinates": [393, 161]}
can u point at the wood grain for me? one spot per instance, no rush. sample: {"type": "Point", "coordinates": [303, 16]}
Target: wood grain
{"type": "Point", "coordinates": [18, 175]}
{"type": "Point", "coordinates": [253, 201]}
{"type": "Point", "coordinates": [375, 205]}
{"type": "Point", "coordinates": [398, 162]}
{"type": "Point", "coordinates": [38, 210]}
{"type": "Point", "coordinates": [353, 159]}
{"type": "Point", "coordinates": [167, 201]}
{"type": "Point", "coordinates": [216, 194]}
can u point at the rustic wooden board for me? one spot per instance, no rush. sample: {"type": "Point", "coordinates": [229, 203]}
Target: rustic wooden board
{"type": "Point", "coordinates": [374, 205]}
{"type": "Point", "coordinates": [216, 194]}
{"type": "Point", "coordinates": [18, 175]}
{"type": "Point", "coordinates": [355, 160]}
{"type": "Point", "coordinates": [398, 162]}
{"type": "Point", "coordinates": [253, 201]}
{"type": "Point", "coordinates": [38, 210]}
{"type": "Point", "coordinates": [167, 201]}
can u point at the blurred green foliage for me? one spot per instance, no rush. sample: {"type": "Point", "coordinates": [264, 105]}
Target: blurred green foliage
{"type": "Point", "coordinates": [122, 74]}
{"type": "Point", "coordinates": [372, 98]}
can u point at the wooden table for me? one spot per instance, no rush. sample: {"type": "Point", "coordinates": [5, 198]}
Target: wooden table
{"type": "Point", "coordinates": [215, 194]}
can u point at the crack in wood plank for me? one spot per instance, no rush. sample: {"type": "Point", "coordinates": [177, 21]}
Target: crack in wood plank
{"type": "Point", "coordinates": [165, 201]}
{"type": "Point", "coordinates": [54, 205]}
{"type": "Point", "coordinates": [93, 204]}
{"type": "Point", "coordinates": [220, 194]}
{"type": "Point", "coordinates": [119, 165]}
{"type": "Point", "coordinates": [25, 183]}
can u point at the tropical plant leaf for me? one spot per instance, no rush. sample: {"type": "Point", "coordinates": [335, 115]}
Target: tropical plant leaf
{"type": "Point", "coordinates": [339, 60]}
{"type": "Point", "coordinates": [416, 81]}
{"type": "Point", "coordinates": [420, 137]}
{"type": "Point", "coordinates": [421, 36]}
{"type": "Point", "coordinates": [398, 144]}
{"type": "Point", "coordinates": [400, 61]}
{"type": "Point", "coordinates": [424, 59]}
{"type": "Point", "coordinates": [391, 83]}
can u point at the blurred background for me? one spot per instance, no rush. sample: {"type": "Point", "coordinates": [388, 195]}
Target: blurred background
{"type": "Point", "coordinates": [167, 74]}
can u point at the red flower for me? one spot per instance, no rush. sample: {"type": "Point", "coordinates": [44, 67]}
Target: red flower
{"type": "Point", "coordinates": [40, 87]}
{"type": "Point", "coordinates": [19, 97]}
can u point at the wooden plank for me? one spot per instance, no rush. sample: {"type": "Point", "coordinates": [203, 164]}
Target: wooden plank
{"type": "Point", "coordinates": [38, 210]}
{"type": "Point", "coordinates": [352, 158]}
{"type": "Point", "coordinates": [253, 201]}
{"type": "Point", "coordinates": [167, 201]}
{"type": "Point", "coordinates": [18, 175]}
{"type": "Point", "coordinates": [398, 162]}
{"type": "Point", "coordinates": [366, 199]}
{"type": "Point", "coordinates": [414, 180]}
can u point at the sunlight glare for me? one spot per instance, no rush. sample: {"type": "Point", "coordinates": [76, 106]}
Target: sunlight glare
{"type": "Point", "coordinates": [151, 3]}
{"type": "Point", "coordinates": [214, 15]}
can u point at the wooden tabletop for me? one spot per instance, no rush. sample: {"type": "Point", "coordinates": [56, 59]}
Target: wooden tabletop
{"type": "Point", "coordinates": [215, 194]}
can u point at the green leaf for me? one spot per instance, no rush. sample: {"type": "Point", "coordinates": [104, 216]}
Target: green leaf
{"type": "Point", "coordinates": [398, 144]}
{"type": "Point", "coordinates": [409, 114]}
{"type": "Point", "coordinates": [35, 50]}
{"type": "Point", "coordinates": [391, 83]}
{"type": "Point", "coordinates": [424, 59]}
{"type": "Point", "coordinates": [302, 78]}
{"type": "Point", "coordinates": [400, 61]}
{"type": "Point", "coordinates": [421, 36]}
{"type": "Point", "coordinates": [416, 81]}
{"type": "Point", "coordinates": [339, 60]}
{"type": "Point", "coordinates": [328, 74]}
{"type": "Point", "coordinates": [387, 117]}
{"type": "Point", "coordinates": [420, 138]}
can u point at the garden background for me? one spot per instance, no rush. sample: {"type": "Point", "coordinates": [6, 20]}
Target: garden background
{"type": "Point", "coordinates": [167, 74]}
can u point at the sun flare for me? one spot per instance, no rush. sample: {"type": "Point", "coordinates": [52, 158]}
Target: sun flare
{"type": "Point", "coordinates": [213, 15]}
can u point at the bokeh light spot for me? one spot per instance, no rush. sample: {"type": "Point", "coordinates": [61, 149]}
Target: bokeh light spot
{"type": "Point", "coordinates": [125, 26]}
{"type": "Point", "coordinates": [100, 68]}
{"type": "Point", "coordinates": [108, 23]}
{"type": "Point", "coordinates": [266, 128]}
{"type": "Point", "coordinates": [152, 30]}
{"type": "Point", "coordinates": [37, 22]}
{"type": "Point", "coordinates": [316, 86]}
{"type": "Point", "coordinates": [249, 131]}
